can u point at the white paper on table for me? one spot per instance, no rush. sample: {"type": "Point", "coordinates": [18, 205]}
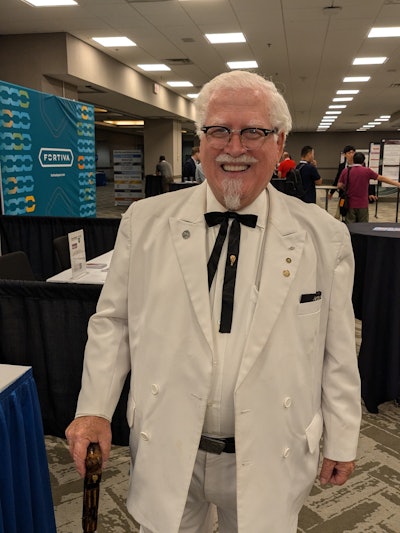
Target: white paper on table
{"type": "Point", "coordinates": [77, 252]}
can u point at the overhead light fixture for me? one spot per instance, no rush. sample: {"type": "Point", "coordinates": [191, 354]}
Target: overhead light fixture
{"type": "Point", "coordinates": [356, 79]}
{"type": "Point", "coordinates": [337, 106]}
{"type": "Point", "coordinates": [348, 91]}
{"type": "Point", "coordinates": [219, 38]}
{"type": "Point", "coordinates": [331, 10]}
{"type": "Point", "coordinates": [155, 67]}
{"type": "Point", "coordinates": [344, 99]}
{"type": "Point", "coordinates": [384, 117]}
{"type": "Point", "coordinates": [242, 64]}
{"type": "Point", "coordinates": [333, 112]}
{"type": "Point", "coordinates": [385, 32]}
{"type": "Point", "coordinates": [50, 3]}
{"type": "Point", "coordinates": [113, 42]}
{"type": "Point", "coordinates": [192, 95]}
{"type": "Point", "coordinates": [125, 122]}
{"type": "Point", "coordinates": [179, 83]}
{"type": "Point", "coordinates": [369, 60]}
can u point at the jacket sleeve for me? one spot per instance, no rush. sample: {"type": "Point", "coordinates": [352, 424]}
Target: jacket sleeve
{"type": "Point", "coordinates": [341, 400]}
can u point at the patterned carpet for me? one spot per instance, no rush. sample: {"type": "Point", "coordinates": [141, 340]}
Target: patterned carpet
{"type": "Point", "coordinates": [369, 502]}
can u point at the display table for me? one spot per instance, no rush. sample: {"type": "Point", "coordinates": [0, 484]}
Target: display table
{"type": "Point", "coordinates": [376, 297]}
{"type": "Point", "coordinates": [96, 272]}
{"type": "Point", "coordinates": [26, 503]}
{"type": "Point", "coordinates": [325, 188]}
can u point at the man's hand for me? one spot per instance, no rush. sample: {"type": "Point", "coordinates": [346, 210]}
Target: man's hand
{"type": "Point", "coordinates": [336, 472]}
{"type": "Point", "coordinates": [84, 430]}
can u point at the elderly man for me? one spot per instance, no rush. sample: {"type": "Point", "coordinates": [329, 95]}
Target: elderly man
{"type": "Point", "coordinates": [229, 401]}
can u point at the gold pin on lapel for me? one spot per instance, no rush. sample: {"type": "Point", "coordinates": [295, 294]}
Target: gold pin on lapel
{"type": "Point", "coordinates": [232, 259]}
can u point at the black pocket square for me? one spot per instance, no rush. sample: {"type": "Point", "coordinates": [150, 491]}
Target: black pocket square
{"type": "Point", "coordinates": [312, 297]}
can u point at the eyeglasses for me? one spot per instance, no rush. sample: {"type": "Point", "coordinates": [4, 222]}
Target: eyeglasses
{"type": "Point", "coordinates": [250, 138]}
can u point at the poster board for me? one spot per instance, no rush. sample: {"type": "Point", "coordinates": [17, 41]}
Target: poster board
{"type": "Point", "coordinates": [47, 154]}
{"type": "Point", "coordinates": [128, 176]}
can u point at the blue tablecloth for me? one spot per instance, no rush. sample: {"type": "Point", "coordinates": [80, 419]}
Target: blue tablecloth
{"type": "Point", "coordinates": [26, 504]}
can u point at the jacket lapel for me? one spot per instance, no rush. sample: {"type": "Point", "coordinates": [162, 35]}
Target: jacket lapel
{"type": "Point", "coordinates": [284, 247]}
{"type": "Point", "coordinates": [188, 232]}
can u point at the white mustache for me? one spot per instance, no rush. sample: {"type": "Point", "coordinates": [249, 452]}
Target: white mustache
{"type": "Point", "coordinates": [244, 159]}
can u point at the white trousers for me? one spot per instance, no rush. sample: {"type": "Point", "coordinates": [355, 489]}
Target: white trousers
{"type": "Point", "coordinates": [212, 493]}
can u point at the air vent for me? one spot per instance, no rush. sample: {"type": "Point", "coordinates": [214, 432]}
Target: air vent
{"type": "Point", "coordinates": [188, 40]}
{"type": "Point", "coordinates": [394, 85]}
{"type": "Point", "coordinates": [179, 61]}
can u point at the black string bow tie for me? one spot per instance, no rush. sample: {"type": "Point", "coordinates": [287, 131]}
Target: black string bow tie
{"type": "Point", "coordinates": [213, 219]}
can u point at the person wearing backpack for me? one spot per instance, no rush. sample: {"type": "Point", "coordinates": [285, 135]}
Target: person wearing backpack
{"type": "Point", "coordinates": [309, 175]}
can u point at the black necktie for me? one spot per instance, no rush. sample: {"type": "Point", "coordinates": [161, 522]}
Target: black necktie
{"type": "Point", "coordinates": [232, 258]}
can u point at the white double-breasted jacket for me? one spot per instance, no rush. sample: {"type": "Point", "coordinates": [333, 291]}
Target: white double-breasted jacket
{"type": "Point", "coordinates": [298, 380]}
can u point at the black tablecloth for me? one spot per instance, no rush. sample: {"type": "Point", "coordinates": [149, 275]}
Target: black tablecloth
{"type": "Point", "coordinates": [44, 325]}
{"type": "Point", "coordinates": [376, 300]}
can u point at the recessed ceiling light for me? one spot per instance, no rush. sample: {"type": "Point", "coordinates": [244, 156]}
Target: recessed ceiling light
{"type": "Point", "coordinates": [242, 64]}
{"type": "Point", "coordinates": [348, 91]}
{"type": "Point", "coordinates": [344, 99]}
{"type": "Point", "coordinates": [369, 60]}
{"type": "Point", "coordinates": [218, 38]}
{"type": "Point", "coordinates": [179, 83]}
{"type": "Point", "coordinates": [386, 117]}
{"type": "Point", "coordinates": [50, 3]}
{"type": "Point", "coordinates": [385, 32]}
{"type": "Point", "coordinates": [337, 106]}
{"type": "Point", "coordinates": [155, 67]}
{"type": "Point", "coordinates": [192, 95]}
{"type": "Point", "coordinates": [332, 112]}
{"type": "Point", "coordinates": [356, 79]}
{"type": "Point", "coordinates": [112, 42]}
{"type": "Point", "coordinates": [328, 120]}
{"type": "Point", "coordinates": [125, 122]}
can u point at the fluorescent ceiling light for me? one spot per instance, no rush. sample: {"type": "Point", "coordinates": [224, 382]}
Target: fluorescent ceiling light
{"type": "Point", "coordinates": [337, 106]}
{"type": "Point", "coordinates": [327, 121]}
{"type": "Point", "coordinates": [112, 42]}
{"type": "Point", "coordinates": [345, 99]}
{"type": "Point", "coordinates": [179, 83]}
{"type": "Point", "coordinates": [333, 112]}
{"type": "Point", "coordinates": [369, 60]}
{"type": "Point", "coordinates": [386, 117]}
{"type": "Point", "coordinates": [385, 32]}
{"type": "Point", "coordinates": [356, 79]}
{"type": "Point", "coordinates": [51, 3]}
{"type": "Point", "coordinates": [125, 122]}
{"type": "Point", "coordinates": [348, 91]}
{"type": "Point", "coordinates": [218, 38]}
{"type": "Point", "coordinates": [155, 67]}
{"type": "Point", "coordinates": [192, 95]}
{"type": "Point", "coordinates": [242, 64]}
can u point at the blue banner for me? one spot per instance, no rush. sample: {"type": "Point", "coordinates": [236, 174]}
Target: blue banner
{"type": "Point", "coordinates": [47, 154]}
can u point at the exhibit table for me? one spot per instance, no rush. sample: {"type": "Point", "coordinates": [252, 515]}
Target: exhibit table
{"type": "Point", "coordinates": [96, 272]}
{"type": "Point", "coordinates": [26, 503]}
{"type": "Point", "coordinates": [376, 297]}
{"type": "Point", "coordinates": [325, 188]}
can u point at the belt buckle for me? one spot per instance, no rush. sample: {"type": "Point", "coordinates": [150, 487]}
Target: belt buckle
{"type": "Point", "coordinates": [215, 445]}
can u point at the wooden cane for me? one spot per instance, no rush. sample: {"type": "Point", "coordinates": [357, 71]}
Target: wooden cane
{"type": "Point", "coordinates": [91, 488]}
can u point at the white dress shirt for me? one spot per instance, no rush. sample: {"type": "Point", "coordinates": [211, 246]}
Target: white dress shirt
{"type": "Point", "coordinates": [228, 347]}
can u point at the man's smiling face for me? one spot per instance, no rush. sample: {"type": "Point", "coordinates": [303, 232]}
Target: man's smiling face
{"type": "Point", "coordinates": [234, 167]}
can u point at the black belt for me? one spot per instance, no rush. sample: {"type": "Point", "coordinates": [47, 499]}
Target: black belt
{"type": "Point", "coordinates": [215, 445]}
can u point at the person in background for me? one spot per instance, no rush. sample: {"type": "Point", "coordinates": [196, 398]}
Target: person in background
{"type": "Point", "coordinates": [228, 403]}
{"type": "Point", "coordinates": [285, 165]}
{"type": "Point", "coordinates": [355, 179]}
{"type": "Point", "coordinates": [189, 167]}
{"type": "Point", "coordinates": [348, 152]}
{"type": "Point", "coordinates": [200, 177]}
{"type": "Point", "coordinates": [164, 170]}
{"type": "Point", "coordinates": [309, 174]}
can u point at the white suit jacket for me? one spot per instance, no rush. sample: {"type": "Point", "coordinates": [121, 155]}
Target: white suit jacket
{"type": "Point", "coordinates": [298, 379]}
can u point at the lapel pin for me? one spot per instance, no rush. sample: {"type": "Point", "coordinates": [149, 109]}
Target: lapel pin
{"type": "Point", "coordinates": [232, 259]}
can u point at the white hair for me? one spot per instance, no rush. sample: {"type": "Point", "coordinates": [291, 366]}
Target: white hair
{"type": "Point", "coordinates": [241, 79]}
